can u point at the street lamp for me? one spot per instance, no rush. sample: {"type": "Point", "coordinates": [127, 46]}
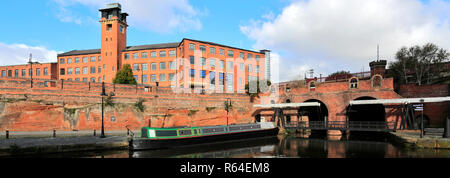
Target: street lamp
{"type": "Point", "coordinates": [421, 120]}
{"type": "Point", "coordinates": [227, 107]}
{"type": "Point", "coordinates": [102, 95]}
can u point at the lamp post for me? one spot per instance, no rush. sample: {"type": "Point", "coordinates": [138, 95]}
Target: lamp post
{"type": "Point", "coordinates": [228, 105]}
{"type": "Point", "coordinates": [421, 120]}
{"type": "Point", "coordinates": [102, 95]}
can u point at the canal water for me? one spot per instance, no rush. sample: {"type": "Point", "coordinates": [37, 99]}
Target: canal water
{"type": "Point", "coordinates": [355, 145]}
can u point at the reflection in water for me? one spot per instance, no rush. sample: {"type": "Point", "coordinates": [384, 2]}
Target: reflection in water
{"type": "Point", "coordinates": [355, 145]}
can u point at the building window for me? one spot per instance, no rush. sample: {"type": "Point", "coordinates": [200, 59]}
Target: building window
{"type": "Point", "coordinates": [69, 61]}
{"type": "Point", "coordinates": [222, 64]}
{"type": "Point", "coordinates": [230, 83]}
{"type": "Point", "coordinates": [62, 61]}
{"type": "Point", "coordinates": [136, 77]}
{"type": "Point", "coordinates": [257, 69]}
{"type": "Point", "coordinates": [144, 55]}
{"type": "Point", "coordinates": [241, 55]}
{"type": "Point", "coordinates": [77, 79]}
{"type": "Point", "coordinates": [99, 59]}
{"type": "Point", "coordinates": [192, 73]}
{"type": "Point", "coordinates": [99, 80]}
{"type": "Point", "coordinates": [192, 47]}
{"type": "Point", "coordinates": [126, 56]}
{"type": "Point", "coordinates": [85, 70]}
{"type": "Point", "coordinates": [203, 61]}
{"type": "Point", "coordinates": [153, 78]}
{"type": "Point", "coordinates": [3, 73]}
{"type": "Point", "coordinates": [121, 28]}
{"type": "Point", "coordinates": [92, 70]}
{"type": "Point", "coordinates": [153, 66]}
{"type": "Point", "coordinates": [85, 79]}
{"type": "Point", "coordinates": [376, 81]}
{"type": "Point", "coordinates": [230, 65]}
{"type": "Point", "coordinates": [24, 72]}
{"type": "Point", "coordinates": [191, 60]}
{"type": "Point", "coordinates": [135, 67]}
{"type": "Point", "coordinates": [99, 70]}
{"type": "Point", "coordinates": [257, 57]}
{"type": "Point", "coordinates": [250, 68]}
{"type": "Point", "coordinates": [202, 48]}
{"type": "Point", "coordinates": [109, 26]}
{"type": "Point", "coordinates": [230, 53]}
{"type": "Point", "coordinates": [203, 74]}
{"type": "Point", "coordinates": [162, 66]}
{"type": "Point", "coordinates": [93, 80]}
{"type": "Point", "coordinates": [144, 67]}
{"type": "Point", "coordinates": [69, 71]}
{"type": "Point", "coordinates": [249, 56]}
{"type": "Point", "coordinates": [30, 72]}
{"type": "Point", "coordinates": [172, 65]}
{"type": "Point", "coordinates": [16, 73]}
{"type": "Point", "coordinates": [162, 54]}
{"type": "Point", "coordinates": [353, 83]}
{"type": "Point", "coordinates": [93, 59]}
{"type": "Point", "coordinates": [212, 78]}
{"type": "Point", "coordinates": [135, 55]}
{"type": "Point", "coordinates": [212, 63]}
{"type": "Point", "coordinates": [212, 50]}
{"type": "Point", "coordinates": [85, 60]}
{"type": "Point", "coordinates": [144, 78]}
{"type": "Point", "coordinates": [62, 72]}
{"type": "Point", "coordinates": [221, 78]}
{"type": "Point", "coordinates": [162, 77]}
{"type": "Point", "coordinates": [153, 54]}
{"type": "Point", "coordinates": [171, 77]}
{"type": "Point", "coordinates": [171, 53]}
{"type": "Point", "coordinates": [241, 67]}
{"type": "Point", "coordinates": [77, 71]}
{"type": "Point", "coordinates": [222, 52]}
{"type": "Point", "coordinates": [77, 60]}
{"type": "Point", "coordinates": [312, 86]}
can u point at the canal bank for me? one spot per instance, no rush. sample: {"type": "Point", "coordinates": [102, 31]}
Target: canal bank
{"type": "Point", "coordinates": [36, 143]}
{"type": "Point", "coordinates": [411, 139]}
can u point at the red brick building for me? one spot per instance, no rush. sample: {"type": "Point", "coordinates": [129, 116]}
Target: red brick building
{"type": "Point", "coordinates": [181, 64]}
{"type": "Point", "coordinates": [186, 64]}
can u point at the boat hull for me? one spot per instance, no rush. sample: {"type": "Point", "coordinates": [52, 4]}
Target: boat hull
{"type": "Point", "coordinates": [147, 144]}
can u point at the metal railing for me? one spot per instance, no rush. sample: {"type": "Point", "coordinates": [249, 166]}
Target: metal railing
{"type": "Point", "coordinates": [343, 125]}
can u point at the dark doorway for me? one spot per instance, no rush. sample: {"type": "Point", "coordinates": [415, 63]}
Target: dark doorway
{"type": "Point", "coordinates": [368, 112]}
{"type": "Point", "coordinates": [315, 113]}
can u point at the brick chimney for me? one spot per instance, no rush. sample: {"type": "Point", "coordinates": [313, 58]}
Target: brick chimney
{"type": "Point", "coordinates": [378, 67]}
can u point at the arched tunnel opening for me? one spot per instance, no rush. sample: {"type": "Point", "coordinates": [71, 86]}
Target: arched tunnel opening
{"type": "Point", "coordinates": [315, 113]}
{"type": "Point", "coordinates": [363, 113]}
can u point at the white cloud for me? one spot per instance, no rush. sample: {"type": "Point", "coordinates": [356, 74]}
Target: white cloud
{"type": "Point", "coordinates": [14, 54]}
{"type": "Point", "coordinates": [160, 16]}
{"type": "Point", "coordinates": [331, 35]}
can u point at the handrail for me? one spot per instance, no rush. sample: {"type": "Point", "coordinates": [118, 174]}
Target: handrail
{"type": "Point", "coordinates": [129, 131]}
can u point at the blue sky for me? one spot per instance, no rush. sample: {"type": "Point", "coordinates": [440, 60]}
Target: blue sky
{"type": "Point", "coordinates": [324, 35]}
{"type": "Point", "coordinates": [36, 23]}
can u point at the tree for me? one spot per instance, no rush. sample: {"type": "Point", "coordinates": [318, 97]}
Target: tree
{"type": "Point", "coordinates": [125, 75]}
{"type": "Point", "coordinates": [424, 63]}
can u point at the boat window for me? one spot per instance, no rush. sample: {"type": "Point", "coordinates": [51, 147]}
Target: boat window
{"type": "Point", "coordinates": [166, 133]}
{"type": "Point", "coordinates": [185, 132]}
{"type": "Point", "coordinates": [195, 131]}
{"type": "Point", "coordinates": [144, 133]}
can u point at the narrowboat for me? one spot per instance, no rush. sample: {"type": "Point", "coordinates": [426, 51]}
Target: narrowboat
{"type": "Point", "coordinates": [160, 138]}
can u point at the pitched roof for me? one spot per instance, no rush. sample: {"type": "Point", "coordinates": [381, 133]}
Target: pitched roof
{"type": "Point", "coordinates": [152, 46]}
{"type": "Point", "coordinates": [80, 52]}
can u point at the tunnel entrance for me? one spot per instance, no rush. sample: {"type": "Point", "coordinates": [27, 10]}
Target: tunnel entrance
{"type": "Point", "coordinates": [364, 113]}
{"type": "Point", "coordinates": [314, 113]}
{"type": "Point", "coordinates": [368, 112]}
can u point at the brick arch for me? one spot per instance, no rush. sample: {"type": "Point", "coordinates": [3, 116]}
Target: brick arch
{"type": "Point", "coordinates": [319, 113]}
{"type": "Point", "coordinates": [373, 79]}
{"type": "Point", "coordinates": [375, 112]}
{"type": "Point", "coordinates": [350, 82]}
